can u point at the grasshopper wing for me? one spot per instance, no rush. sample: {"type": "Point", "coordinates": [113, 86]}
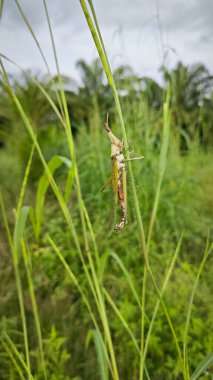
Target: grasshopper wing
{"type": "Point", "coordinates": [114, 179]}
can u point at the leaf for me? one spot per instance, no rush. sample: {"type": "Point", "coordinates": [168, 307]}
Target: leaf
{"type": "Point", "coordinates": [166, 132]}
{"type": "Point", "coordinates": [43, 185]}
{"type": "Point", "coordinates": [100, 350]}
{"type": "Point", "coordinates": [69, 183]}
{"type": "Point", "coordinates": [102, 265]}
{"type": "Point", "coordinates": [33, 220]}
{"type": "Point", "coordinates": [202, 366]}
{"type": "Point", "coordinates": [19, 227]}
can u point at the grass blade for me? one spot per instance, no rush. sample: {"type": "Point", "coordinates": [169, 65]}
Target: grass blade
{"type": "Point", "coordinates": [202, 366]}
{"type": "Point", "coordinates": [126, 273]}
{"type": "Point", "coordinates": [20, 227]}
{"type": "Point", "coordinates": [121, 318]}
{"type": "Point", "coordinates": [18, 355]}
{"type": "Point", "coordinates": [86, 300]}
{"type": "Point", "coordinates": [19, 288]}
{"type": "Point", "coordinates": [43, 185]}
{"type": "Point", "coordinates": [34, 305]}
{"type": "Point", "coordinates": [109, 75]}
{"type": "Point", "coordinates": [13, 359]}
{"type": "Point", "coordinates": [165, 283]}
{"type": "Point", "coordinates": [1, 8]}
{"type": "Point", "coordinates": [189, 310]}
{"type": "Point", "coordinates": [100, 350]}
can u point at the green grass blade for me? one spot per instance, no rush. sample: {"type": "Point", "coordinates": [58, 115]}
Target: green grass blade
{"type": "Point", "coordinates": [68, 129]}
{"type": "Point", "coordinates": [98, 29]}
{"type": "Point", "coordinates": [166, 133]}
{"type": "Point", "coordinates": [18, 355]}
{"type": "Point", "coordinates": [43, 185]}
{"type": "Point", "coordinates": [162, 167]}
{"type": "Point", "coordinates": [101, 352]}
{"type": "Point", "coordinates": [89, 224]}
{"type": "Point", "coordinates": [126, 273]}
{"type": "Point", "coordinates": [74, 279]}
{"type": "Point", "coordinates": [125, 324]}
{"type": "Point", "coordinates": [22, 212]}
{"type": "Point", "coordinates": [1, 8]}
{"type": "Point", "coordinates": [103, 316]}
{"type": "Point", "coordinates": [110, 78]}
{"type": "Point", "coordinates": [69, 183]}
{"type": "Point", "coordinates": [54, 186]}
{"type": "Point", "coordinates": [33, 34]}
{"type": "Point", "coordinates": [41, 88]}
{"type": "Point", "coordinates": [189, 310]}
{"type": "Point", "coordinates": [130, 171]}
{"type": "Point", "coordinates": [20, 227]}
{"type": "Point", "coordinates": [20, 222]}
{"type": "Point", "coordinates": [25, 180]}
{"type": "Point", "coordinates": [88, 276]}
{"type": "Point", "coordinates": [122, 319]}
{"type": "Point", "coordinates": [72, 171]}
{"type": "Point", "coordinates": [100, 299]}
{"type": "Point", "coordinates": [162, 163]}
{"type": "Point", "coordinates": [163, 289]}
{"type": "Point", "coordinates": [40, 50]}
{"type": "Point", "coordinates": [34, 306]}
{"type": "Point", "coordinates": [169, 322]}
{"type": "Point", "coordinates": [19, 288]}
{"type": "Point", "coordinates": [202, 366]}
{"type": "Point", "coordinates": [13, 359]}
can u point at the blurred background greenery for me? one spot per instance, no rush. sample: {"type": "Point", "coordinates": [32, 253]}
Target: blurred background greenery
{"type": "Point", "coordinates": [186, 205]}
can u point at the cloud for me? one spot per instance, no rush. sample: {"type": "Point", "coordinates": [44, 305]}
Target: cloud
{"type": "Point", "coordinates": [174, 14]}
{"type": "Point", "coordinates": [136, 32]}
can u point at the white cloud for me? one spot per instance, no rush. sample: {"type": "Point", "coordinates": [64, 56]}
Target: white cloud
{"type": "Point", "coordinates": [136, 32]}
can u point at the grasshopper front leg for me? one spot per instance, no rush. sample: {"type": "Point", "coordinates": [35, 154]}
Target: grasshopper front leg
{"type": "Point", "coordinates": [108, 182]}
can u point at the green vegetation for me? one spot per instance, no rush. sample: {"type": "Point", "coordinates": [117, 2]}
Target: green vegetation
{"type": "Point", "coordinates": [76, 303]}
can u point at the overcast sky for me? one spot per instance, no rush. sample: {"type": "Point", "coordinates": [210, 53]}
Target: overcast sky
{"type": "Point", "coordinates": [139, 33]}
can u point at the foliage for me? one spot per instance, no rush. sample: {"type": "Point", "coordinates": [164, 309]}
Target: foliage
{"type": "Point", "coordinates": [71, 297]}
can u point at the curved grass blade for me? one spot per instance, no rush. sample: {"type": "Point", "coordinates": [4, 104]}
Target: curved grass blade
{"type": "Point", "coordinates": [13, 359]}
{"type": "Point", "coordinates": [114, 255]}
{"type": "Point", "coordinates": [22, 212]}
{"type": "Point", "coordinates": [68, 128]}
{"type": "Point", "coordinates": [41, 52]}
{"type": "Point", "coordinates": [83, 294]}
{"type": "Point", "coordinates": [202, 366]}
{"type": "Point", "coordinates": [20, 227]}
{"type": "Point", "coordinates": [18, 355]}
{"type": "Point", "coordinates": [25, 255]}
{"type": "Point", "coordinates": [70, 181]}
{"type": "Point", "coordinates": [19, 287]}
{"type": "Point", "coordinates": [43, 185]}
{"type": "Point", "coordinates": [101, 352]}
{"type": "Point", "coordinates": [125, 324]}
{"type": "Point", "coordinates": [189, 310]}
{"type": "Point", "coordinates": [122, 319]}
{"type": "Point", "coordinates": [165, 283]}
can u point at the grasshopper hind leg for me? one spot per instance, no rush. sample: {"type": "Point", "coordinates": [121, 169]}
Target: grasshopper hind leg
{"type": "Point", "coordinates": [119, 226]}
{"type": "Point", "coordinates": [122, 200]}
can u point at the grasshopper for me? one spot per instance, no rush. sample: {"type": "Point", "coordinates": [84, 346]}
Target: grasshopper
{"type": "Point", "coordinates": [118, 177]}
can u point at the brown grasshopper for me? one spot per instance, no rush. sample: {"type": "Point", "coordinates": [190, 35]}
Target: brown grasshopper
{"type": "Point", "coordinates": [118, 177]}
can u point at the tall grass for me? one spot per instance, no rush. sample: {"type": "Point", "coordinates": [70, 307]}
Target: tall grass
{"type": "Point", "coordinates": [92, 289]}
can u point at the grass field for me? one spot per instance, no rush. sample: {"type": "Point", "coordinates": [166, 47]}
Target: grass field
{"type": "Point", "coordinates": [77, 302]}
